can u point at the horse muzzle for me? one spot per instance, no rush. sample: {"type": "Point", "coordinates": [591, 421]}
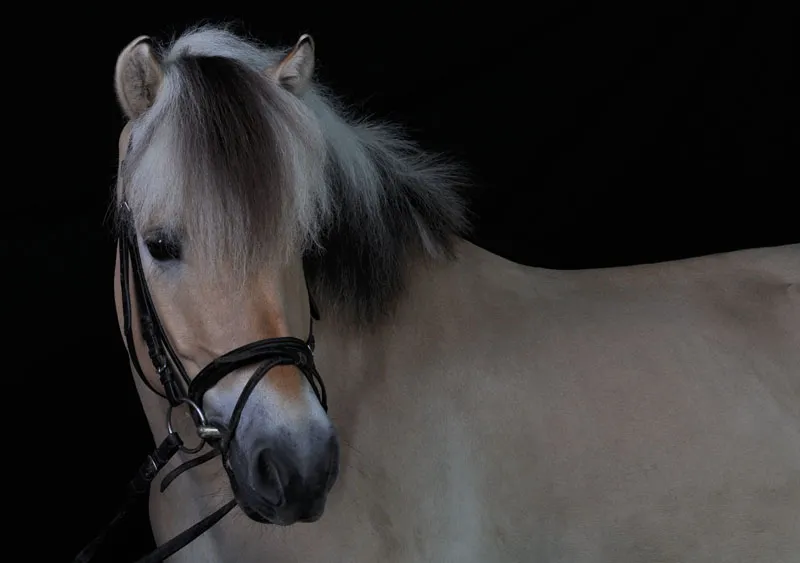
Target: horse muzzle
{"type": "Point", "coordinates": [281, 483]}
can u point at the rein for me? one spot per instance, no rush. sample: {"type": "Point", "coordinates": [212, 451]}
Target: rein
{"type": "Point", "coordinates": [179, 389]}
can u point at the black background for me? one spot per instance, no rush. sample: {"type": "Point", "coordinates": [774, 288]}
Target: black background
{"type": "Point", "coordinates": [595, 137]}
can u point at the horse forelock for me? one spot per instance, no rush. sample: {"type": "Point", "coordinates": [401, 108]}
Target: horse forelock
{"type": "Point", "coordinates": [226, 157]}
{"type": "Point", "coordinates": [247, 172]}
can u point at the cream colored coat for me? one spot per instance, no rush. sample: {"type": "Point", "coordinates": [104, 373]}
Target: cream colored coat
{"type": "Point", "coordinates": [515, 414]}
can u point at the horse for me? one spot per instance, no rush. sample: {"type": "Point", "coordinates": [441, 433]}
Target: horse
{"type": "Point", "coordinates": [474, 409]}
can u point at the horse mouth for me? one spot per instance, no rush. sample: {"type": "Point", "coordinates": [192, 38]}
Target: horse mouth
{"type": "Point", "coordinates": [266, 514]}
{"type": "Point", "coordinates": [259, 510]}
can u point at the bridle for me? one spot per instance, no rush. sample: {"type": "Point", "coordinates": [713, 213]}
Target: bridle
{"type": "Point", "coordinates": [179, 389]}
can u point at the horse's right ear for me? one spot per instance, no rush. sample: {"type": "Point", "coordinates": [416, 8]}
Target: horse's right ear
{"type": "Point", "coordinates": [295, 70]}
{"type": "Point", "coordinates": [137, 77]}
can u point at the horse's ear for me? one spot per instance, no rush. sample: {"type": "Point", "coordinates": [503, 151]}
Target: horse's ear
{"type": "Point", "coordinates": [137, 77]}
{"type": "Point", "coordinates": [294, 72]}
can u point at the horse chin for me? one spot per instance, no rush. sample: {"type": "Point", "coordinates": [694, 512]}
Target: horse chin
{"type": "Point", "coordinates": [261, 516]}
{"type": "Point", "coordinates": [261, 512]}
{"type": "Point", "coordinates": [268, 515]}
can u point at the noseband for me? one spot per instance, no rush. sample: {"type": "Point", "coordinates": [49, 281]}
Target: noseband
{"type": "Point", "coordinates": [179, 389]}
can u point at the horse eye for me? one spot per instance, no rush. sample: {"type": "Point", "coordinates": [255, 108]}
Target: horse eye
{"type": "Point", "coordinates": [162, 248]}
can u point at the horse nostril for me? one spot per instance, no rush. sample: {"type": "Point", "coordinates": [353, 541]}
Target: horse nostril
{"type": "Point", "coordinates": [266, 479]}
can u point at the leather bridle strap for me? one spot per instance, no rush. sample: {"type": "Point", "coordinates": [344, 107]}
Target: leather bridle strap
{"type": "Point", "coordinates": [270, 353]}
{"type": "Point", "coordinates": [137, 487]}
{"type": "Point", "coordinates": [187, 536]}
{"type": "Point", "coordinates": [179, 388]}
{"type": "Point", "coordinates": [162, 355]}
{"type": "Point", "coordinates": [286, 350]}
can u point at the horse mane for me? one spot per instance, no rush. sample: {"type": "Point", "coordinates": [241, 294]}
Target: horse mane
{"type": "Point", "coordinates": [250, 172]}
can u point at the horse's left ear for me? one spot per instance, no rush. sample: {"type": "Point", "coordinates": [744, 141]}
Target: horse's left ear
{"type": "Point", "coordinates": [294, 72]}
